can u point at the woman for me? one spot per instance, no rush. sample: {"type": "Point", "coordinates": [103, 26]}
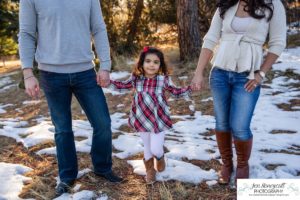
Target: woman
{"type": "Point", "coordinates": [240, 28]}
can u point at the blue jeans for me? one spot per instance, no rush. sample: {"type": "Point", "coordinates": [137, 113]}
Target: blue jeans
{"type": "Point", "coordinates": [59, 88]}
{"type": "Point", "coordinates": [233, 105]}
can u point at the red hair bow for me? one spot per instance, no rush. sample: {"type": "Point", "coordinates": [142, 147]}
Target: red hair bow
{"type": "Point", "coordinates": [145, 49]}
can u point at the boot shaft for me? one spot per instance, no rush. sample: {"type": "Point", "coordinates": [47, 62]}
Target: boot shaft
{"type": "Point", "coordinates": [224, 141]}
{"type": "Point", "coordinates": [160, 164]}
{"type": "Point", "coordinates": [243, 152]}
{"type": "Point", "coordinates": [150, 171]}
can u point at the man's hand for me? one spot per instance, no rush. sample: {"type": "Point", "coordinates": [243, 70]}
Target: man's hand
{"type": "Point", "coordinates": [31, 84]}
{"type": "Point", "coordinates": [103, 78]}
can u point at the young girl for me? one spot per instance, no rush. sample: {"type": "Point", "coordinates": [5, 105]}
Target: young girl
{"type": "Point", "coordinates": [150, 114]}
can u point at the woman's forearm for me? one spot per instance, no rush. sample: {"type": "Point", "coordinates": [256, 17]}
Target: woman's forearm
{"type": "Point", "coordinates": [268, 62]}
{"type": "Point", "coordinates": [204, 58]}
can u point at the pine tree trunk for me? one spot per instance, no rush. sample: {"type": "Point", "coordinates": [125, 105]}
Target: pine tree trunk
{"type": "Point", "coordinates": [188, 29]}
{"type": "Point", "coordinates": [3, 61]}
{"type": "Point", "coordinates": [133, 27]}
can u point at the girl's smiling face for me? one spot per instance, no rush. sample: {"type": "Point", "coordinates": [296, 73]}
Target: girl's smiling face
{"type": "Point", "coordinates": [151, 65]}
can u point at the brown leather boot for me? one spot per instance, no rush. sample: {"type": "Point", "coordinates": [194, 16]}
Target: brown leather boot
{"type": "Point", "coordinates": [150, 171]}
{"type": "Point", "coordinates": [243, 152]}
{"type": "Point", "coordinates": [160, 164]}
{"type": "Point", "coordinates": [225, 147]}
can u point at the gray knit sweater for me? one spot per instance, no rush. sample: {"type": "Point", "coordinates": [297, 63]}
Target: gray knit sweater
{"type": "Point", "coordinates": [63, 31]}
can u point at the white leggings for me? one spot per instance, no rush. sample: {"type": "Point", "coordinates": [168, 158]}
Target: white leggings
{"type": "Point", "coordinates": [153, 144]}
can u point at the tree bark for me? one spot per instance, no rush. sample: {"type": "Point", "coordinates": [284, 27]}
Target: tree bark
{"type": "Point", "coordinates": [188, 29]}
{"type": "Point", "coordinates": [133, 26]}
{"type": "Point", "coordinates": [3, 61]}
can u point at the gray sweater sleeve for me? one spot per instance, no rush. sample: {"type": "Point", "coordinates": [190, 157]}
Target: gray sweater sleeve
{"type": "Point", "coordinates": [99, 33]}
{"type": "Point", "coordinates": [27, 33]}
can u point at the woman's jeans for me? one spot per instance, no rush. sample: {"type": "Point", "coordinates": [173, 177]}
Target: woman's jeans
{"type": "Point", "coordinates": [59, 88]}
{"type": "Point", "coordinates": [233, 105]}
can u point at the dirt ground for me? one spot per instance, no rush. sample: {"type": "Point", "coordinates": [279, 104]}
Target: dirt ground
{"type": "Point", "coordinates": [45, 166]}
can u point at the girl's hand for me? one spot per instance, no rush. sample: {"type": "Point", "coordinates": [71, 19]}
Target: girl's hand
{"type": "Point", "coordinates": [32, 86]}
{"type": "Point", "coordinates": [197, 82]}
{"type": "Point", "coordinates": [253, 83]}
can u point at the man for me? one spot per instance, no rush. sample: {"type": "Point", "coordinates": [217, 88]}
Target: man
{"type": "Point", "coordinates": [58, 34]}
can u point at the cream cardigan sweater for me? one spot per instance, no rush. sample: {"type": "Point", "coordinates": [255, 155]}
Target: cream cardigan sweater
{"type": "Point", "coordinates": [243, 52]}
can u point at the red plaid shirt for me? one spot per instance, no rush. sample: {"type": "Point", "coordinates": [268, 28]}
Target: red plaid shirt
{"type": "Point", "coordinates": [150, 111]}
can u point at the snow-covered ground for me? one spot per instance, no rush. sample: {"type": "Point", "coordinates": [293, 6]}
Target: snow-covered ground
{"type": "Point", "coordinates": [293, 28]}
{"type": "Point", "coordinates": [6, 82]}
{"type": "Point", "coordinates": [12, 180]}
{"type": "Point", "coordinates": [186, 140]}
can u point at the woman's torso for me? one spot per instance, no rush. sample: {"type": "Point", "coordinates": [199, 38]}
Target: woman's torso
{"type": "Point", "coordinates": [242, 37]}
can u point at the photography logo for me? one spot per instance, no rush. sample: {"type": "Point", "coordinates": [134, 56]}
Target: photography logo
{"type": "Point", "coordinates": [265, 189]}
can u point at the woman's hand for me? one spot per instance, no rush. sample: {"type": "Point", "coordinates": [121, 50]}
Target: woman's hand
{"type": "Point", "coordinates": [197, 82]}
{"type": "Point", "coordinates": [253, 83]}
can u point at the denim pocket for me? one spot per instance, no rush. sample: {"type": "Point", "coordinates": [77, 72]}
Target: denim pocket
{"type": "Point", "coordinates": [243, 74]}
{"type": "Point", "coordinates": [217, 76]}
{"type": "Point", "coordinates": [241, 77]}
{"type": "Point", "coordinates": [50, 75]}
{"type": "Point", "coordinates": [51, 81]}
{"type": "Point", "coordinates": [218, 68]}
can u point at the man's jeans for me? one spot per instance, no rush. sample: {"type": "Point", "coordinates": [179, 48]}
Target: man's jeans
{"type": "Point", "coordinates": [233, 105]}
{"type": "Point", "coordinates": [58, 89]}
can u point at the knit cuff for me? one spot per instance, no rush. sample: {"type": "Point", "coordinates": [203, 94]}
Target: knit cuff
{"type": "Point", "coordinates": [105, 65]}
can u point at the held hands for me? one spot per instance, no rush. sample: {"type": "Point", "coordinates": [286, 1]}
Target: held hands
{"type": "Point", "coordinates": [197, 82]}
{"type": "Point", "coordinates": [103, 78]}
{"type": "Point", "coordinates": [253, 83]}
{"type": "Point", "coordinates": [31, 84]}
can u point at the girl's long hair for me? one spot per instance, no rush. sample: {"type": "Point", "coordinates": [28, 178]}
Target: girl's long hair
{"type": "Point", "coordinates": [255, 8]}
{"type": "Point", "coordinates": [163, 69]}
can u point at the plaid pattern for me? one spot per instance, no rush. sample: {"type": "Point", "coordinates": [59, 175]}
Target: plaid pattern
{"type": "Point", "coordinates": [150, 111]}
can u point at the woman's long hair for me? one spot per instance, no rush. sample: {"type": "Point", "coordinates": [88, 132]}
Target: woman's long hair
{"type": "Point", "coordinates": [252, 7]}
